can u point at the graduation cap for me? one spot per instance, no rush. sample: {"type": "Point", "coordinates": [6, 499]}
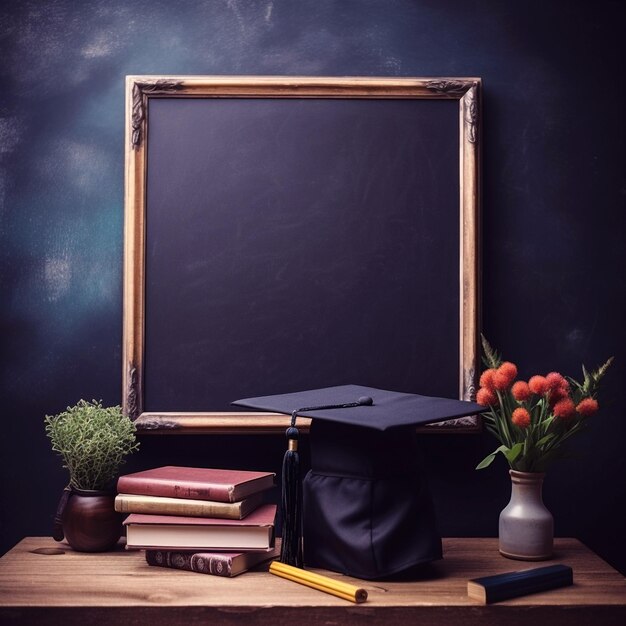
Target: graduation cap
{"type": "Point", "coordinates": [364, 508]}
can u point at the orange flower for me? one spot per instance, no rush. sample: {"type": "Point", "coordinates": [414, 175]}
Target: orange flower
{"type": "Point", "coordinates": [564, 409]}
{"type": "Point", "coordinates": [557, 394]}
{"type": "Point", "coordinates": [486, 379]}
{"type": "Point", "coordinates": [486, 397]}
{"type": "Point", "coordinates": [504, 376]}
{"type": "Point", "coordinates": [521, 391]}
{"type": "Point", "coordinates": [587, 407]}
{"type": "Point", "coordinates": [521, 417]}
{"type": "Point", "coordinates": [554, 380]}
{"type": "Point", "coordinates": [538, 385]}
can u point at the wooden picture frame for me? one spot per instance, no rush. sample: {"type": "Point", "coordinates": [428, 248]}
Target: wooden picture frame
{"type": "Point", "coordinates": [141, 91]}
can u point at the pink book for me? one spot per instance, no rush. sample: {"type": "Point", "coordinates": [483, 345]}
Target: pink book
{"type": "Point", "coordinates": [254, 532]}
{"type": "Point", "coordinates": [197, 483]}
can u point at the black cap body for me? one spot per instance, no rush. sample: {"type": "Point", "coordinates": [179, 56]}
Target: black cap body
{"type": "Point", "coordinates": [367, 508]}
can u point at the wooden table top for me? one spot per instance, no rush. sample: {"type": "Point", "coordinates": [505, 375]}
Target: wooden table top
{"type": "Point", "coordinates": [119, 587]}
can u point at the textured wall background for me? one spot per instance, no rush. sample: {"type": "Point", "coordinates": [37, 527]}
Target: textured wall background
{"type": "Point", "coordinates": [553, 250]}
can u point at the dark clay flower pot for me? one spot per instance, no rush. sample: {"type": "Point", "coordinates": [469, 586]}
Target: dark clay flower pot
{"type": "Point", "coordinates": [90, 522]}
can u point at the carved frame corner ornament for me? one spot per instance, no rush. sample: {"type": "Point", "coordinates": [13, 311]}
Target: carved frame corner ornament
{"type": "Point", "coordinates": [470, 385]}
{"type": "Point", "coordinates": [454, 88]}
{"type": "Point", "coordinates": [132, 393]}
{"type": "Point", "coordinates": [141, 91]}
{"type": "Point", "coordinates": [466, 90]}
{"type": "Point", "coordinates": [471, 113]}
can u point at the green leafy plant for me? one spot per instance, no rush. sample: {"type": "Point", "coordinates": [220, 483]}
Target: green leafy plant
{"type": "Point", "coordinates": [532, 420]}
{"type": "Point", "coordinates": [93, 441]}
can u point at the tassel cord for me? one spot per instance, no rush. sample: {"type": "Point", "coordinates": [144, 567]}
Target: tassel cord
{"type": "Point", "coordinates": [291, 502]}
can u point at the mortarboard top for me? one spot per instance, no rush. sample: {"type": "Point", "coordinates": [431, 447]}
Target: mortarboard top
{"type": "Point", "coordinates": [365, 510]}
{"type": "Point", "coordinates": [388, 408]}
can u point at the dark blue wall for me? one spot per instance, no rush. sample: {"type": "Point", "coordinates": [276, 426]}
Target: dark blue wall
{"type": "Point", "coordinates": [553, 248]}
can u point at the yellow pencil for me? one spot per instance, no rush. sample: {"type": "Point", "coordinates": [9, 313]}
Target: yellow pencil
{"type": "Point", "coordinates": [317, 581]}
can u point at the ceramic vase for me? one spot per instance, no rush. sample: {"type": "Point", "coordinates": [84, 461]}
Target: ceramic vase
{"type": "Point", "coordinates": [90, 522]}
{"type": "Point", "coordinates": [526, 529]}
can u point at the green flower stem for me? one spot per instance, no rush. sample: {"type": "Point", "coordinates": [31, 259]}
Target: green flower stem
{"type": "Point", "coordinates": [506, 425]}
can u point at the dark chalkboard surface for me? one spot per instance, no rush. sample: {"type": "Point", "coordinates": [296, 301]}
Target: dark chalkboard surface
{"type": "Point", "coordinates": [294, 243]}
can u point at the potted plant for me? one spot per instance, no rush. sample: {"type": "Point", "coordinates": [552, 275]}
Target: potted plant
{"type": "Point", "coordinates": [93, 442]}
{"type": "Point", "coordinates": [532, 420]}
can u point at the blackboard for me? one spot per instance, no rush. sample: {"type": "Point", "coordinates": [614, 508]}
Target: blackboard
{"type": "Point", "coordinates": [292, 234]}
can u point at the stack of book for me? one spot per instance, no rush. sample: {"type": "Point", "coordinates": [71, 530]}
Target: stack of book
{"type": "Point", "coordinates": [206, 520]}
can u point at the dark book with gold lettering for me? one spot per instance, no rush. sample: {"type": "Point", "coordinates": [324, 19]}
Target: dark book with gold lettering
{"type": "Point", "coordinates": [173, 532]}
{"type": "Point", "coordinates": [216, 563]}
{"type": "Point", "coordinates": [513, 584]}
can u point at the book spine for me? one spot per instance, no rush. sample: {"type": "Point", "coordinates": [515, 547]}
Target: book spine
{"type": "Point", "coordinates": [215, 565]}
{"type": "Point", "coordinates": [526, 587]}
{"type": "Point", "coordinates": [173, 489]}
{"type": "Point", "coordinates": [128, 503]}
{"type": "Point", "coordinates": [514, 584]}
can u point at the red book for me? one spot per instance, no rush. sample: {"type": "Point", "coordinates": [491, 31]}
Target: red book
{"type": "Point", "coordinates": [196, 483]}
{"type": "Point", "coordinates": [172, 532]}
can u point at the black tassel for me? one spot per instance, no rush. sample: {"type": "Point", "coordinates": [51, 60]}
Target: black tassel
{"type": "Point", "coordinates": [291, 502]}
